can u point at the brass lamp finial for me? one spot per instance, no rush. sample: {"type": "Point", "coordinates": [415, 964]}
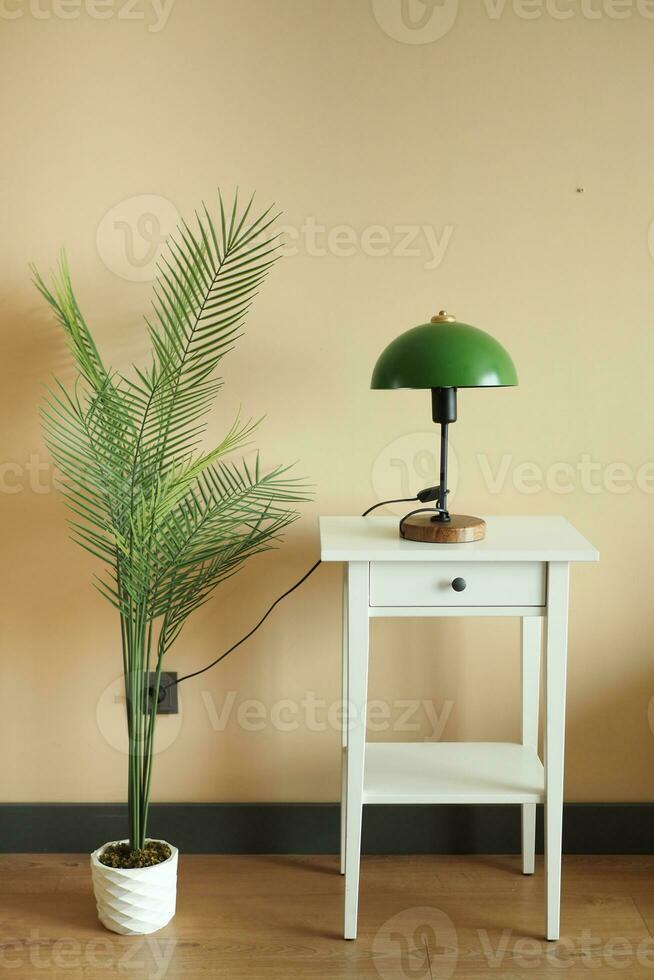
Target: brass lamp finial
{"type": "Point", "coordinates": [443, 317]}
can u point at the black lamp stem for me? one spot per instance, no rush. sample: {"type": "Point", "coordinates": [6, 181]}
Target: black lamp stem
{"type": "Point", "coordinates": [443, 411]}
{"type": "Point", "coordinates": [443, 516]}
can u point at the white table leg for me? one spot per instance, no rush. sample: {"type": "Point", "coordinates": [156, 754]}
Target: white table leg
{"type": "Point", "coordinates": [357, 684]}
{"type": "Point", "coordinates": [555, 676]}
{"type": "Point", "coordinates": [344, 722]}
{"type": "Point", "coordinates": [531, 630]}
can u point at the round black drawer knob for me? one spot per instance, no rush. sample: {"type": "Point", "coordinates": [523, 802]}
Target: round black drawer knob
{"type": "Point", "coordinates": [459, 584]}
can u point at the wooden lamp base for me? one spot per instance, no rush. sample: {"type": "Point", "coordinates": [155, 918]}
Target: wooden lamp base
{"type": "Point", "coordinates": [459, 528]}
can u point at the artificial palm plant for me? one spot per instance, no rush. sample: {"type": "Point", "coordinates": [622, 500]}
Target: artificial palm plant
{"type": "Point", "coordinates": [168, 520]}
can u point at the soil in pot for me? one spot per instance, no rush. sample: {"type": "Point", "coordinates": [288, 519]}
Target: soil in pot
{"type": "Point", "coordinates": [120, 855]}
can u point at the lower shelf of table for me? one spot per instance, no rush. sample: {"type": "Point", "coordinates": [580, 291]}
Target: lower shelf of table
{"type": "Point", "coordinates": [452, 772]}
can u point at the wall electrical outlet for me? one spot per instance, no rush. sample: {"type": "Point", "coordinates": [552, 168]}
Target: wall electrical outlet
{"type": "Point", "coordinates": [167, 703]}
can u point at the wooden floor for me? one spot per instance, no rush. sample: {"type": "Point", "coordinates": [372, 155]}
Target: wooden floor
{"type": "Point", "coordinates": [280, 917]}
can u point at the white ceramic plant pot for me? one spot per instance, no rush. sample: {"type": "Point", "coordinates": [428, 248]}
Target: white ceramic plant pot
{"type": "Point", "coordinates": [135, 901]}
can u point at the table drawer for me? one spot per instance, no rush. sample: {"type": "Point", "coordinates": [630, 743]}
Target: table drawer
{"type": "Point", "coordinates": [425, 583]}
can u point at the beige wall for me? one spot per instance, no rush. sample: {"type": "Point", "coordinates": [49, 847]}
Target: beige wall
{"type": "Point", "coordinates": [483, 136]}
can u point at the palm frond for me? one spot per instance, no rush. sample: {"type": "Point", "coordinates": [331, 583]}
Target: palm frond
{"type": "Point", "coordinates": [168, 519]}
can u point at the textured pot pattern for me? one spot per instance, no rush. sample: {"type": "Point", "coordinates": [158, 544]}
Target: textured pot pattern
{"type": "Point", "coordinates": [135, 901]}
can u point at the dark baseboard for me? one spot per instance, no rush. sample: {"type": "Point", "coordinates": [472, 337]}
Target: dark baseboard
{"type": "Point", "coordinates": [313, 828]}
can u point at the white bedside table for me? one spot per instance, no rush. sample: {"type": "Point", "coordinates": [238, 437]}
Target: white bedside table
{"type": "Point", "coordinates": [521, 568]}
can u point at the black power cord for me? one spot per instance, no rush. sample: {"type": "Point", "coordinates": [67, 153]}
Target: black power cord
{"type": "Point", "coordinates": [424, 496]}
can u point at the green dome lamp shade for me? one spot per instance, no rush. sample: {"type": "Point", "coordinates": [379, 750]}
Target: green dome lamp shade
{"type": "Point", "coordinates": [443, 355]}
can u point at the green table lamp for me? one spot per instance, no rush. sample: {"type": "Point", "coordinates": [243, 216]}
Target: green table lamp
{"type": "Point", "coordinates": [443, 355]}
